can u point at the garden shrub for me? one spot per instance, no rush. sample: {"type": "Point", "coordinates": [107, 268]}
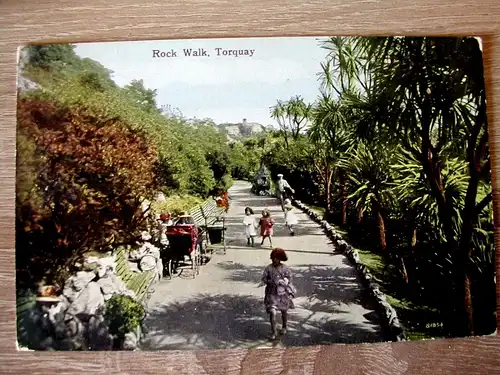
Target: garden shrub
{"type": "Point", "coordinates": [79, 186]}
{"type": "Point", "coordinates": [176, 204]}
{"type": "Point", "coordinates": [122, 314]}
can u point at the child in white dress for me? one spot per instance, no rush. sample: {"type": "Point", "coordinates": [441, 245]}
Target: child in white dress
{"type": "Point", "coordinates": [250, 225]}
{"type": "Point", "coordinates": [290, 217]}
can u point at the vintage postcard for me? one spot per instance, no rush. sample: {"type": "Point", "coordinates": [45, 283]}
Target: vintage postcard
{"type": "Point", "coordinates": [252, 193]}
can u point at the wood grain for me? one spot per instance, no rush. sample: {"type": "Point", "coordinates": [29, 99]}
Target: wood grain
{"type": "Point", "coordinates": [23, 21]}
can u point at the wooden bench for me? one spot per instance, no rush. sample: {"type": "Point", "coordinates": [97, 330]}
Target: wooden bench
{"type": "Point", "coordinates": [139, 282]}
{"type": "Point", "coordinates": [209, 216]}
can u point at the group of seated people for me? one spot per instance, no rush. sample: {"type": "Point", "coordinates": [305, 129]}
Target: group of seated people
{"type": "Point", "coordinates": [180, 229]}
{"type": "Point", "coordinates": [166, 220]}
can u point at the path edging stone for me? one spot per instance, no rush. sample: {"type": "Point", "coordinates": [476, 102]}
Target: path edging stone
{"type": "Point", "coordinates": [387, 312]}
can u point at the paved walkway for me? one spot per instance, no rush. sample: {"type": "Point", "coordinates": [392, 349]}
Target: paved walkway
{"type": "Point", "coordinates": [223, 307]}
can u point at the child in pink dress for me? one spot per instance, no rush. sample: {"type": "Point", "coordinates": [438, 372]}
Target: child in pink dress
{"type": "Point", "coordinates": [266, 227]}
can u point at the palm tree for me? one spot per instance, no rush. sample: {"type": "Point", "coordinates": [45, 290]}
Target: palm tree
{"type": "Point", "coordinates": [428, 94]}
{"type": "Point", "coordinates": [292, 117]}
{"type": "Point", "coordinates": [332, 140]}
{"type": "Point", "coordinates": [369, 175]}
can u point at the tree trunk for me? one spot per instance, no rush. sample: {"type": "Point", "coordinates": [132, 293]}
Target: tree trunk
{"type": "Point", "coordinates": [381, 228]}
{"type": "Point", "coordinates": [343, 195]}
{"type": "Point", "coordinates": [468, 304]}
{"type": "Point", "coordinates": [359, 214]}
{"type": "Point", "coordinates": [403, 269]}
{"type": "Point", "coordinates": [414, 239]}
{"type": "Point", "coordinates": [328, 191]}
{"type": "Point", "coordinates": [381, 224]}
{"type": "Point", "coordinates": [470, 216]}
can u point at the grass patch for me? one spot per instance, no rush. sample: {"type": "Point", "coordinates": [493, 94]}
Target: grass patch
{"type": "Point", "coordinates": [318, 210]}
{"type": "Point", "coordinates": [419, 322]}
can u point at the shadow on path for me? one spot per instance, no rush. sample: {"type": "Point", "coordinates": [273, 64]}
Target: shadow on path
{"type": "Point", "coordinates": [226, 321]}
{"type": "Point", "coordinates": [223, 308]}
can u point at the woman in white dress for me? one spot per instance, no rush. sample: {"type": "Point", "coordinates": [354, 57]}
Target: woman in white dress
{"type": "Point", "coordinates": [290, 217]}
{"type": "Point", "coordinates": [250, 225]}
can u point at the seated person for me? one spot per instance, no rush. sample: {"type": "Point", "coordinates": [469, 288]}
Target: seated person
{"type": "Point", "coordinates": [184, 226]}
{"type": "Point", "coordinates": [184, 219]}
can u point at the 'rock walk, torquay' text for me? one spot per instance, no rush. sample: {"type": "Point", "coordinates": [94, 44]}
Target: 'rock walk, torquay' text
{"type": "Point", "coordinates": [202, 52]}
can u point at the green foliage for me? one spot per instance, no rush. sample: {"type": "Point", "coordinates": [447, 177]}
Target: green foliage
{"type": "Point", "coordinates": [370, 179]}
{"type": "Point", "coordinates": [400, 126]}
{"type": "Point", "coordinates": [176, 204]}
{"type": "Point", "coordinates": [123, 315]}
{"type": "Point", "coordinates": [90, 151]}
{"type": "Point", "coordinates": [144, 98]}
{"type": "Point", "coordinates": [79, 184]}
{"type": "Point", "coordinates": [292, 116]}
{"type": "Point", "coordinates": [53, 56]}
{"type": "Point", "coordinates": [191, 159]}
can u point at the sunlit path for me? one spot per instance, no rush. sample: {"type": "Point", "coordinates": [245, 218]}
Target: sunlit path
{"type": "Point", "coordinates": [223, 306]}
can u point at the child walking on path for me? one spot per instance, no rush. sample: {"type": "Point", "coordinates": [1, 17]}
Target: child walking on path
{"type": "Point", "coordinates": [250, 225]}
{"type": "Point", "coordinates": [266, 227]}
{"type": "Point", "coordinates": [290, 217]}
{"type": "Point", "coordinates": [279, 291]}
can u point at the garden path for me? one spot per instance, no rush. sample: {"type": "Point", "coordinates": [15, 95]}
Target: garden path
{"type": "Point", "coordinates": [222, 308]}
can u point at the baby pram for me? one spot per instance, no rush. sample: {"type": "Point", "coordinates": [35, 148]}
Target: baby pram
{"type": "Point", "coordinates": [183, 250]}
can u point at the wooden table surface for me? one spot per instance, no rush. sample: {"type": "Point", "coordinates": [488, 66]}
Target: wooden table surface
{"type": "Point", "coordinates": [25, 21]}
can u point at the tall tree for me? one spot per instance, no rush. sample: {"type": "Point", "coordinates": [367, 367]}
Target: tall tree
{"type": "Point", "coordinates": [292, 117]}
{"type": "Point", "coordinates": [429, 92]}
{"type": "Point", "coordinates": [144, 98]}
{"type": "Point", "coordinates": [331, 138]}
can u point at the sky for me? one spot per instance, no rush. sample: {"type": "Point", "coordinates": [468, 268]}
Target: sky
{"type": "Point", "coordinates": [225, 88]}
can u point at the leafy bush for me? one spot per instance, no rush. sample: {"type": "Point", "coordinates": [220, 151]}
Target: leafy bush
{"type": "Point", "coordinates": [176, 204]}
{"type": "Point", "coordinates": [78, 186]}
{"type": "Point", "coordinates": [123, 314]}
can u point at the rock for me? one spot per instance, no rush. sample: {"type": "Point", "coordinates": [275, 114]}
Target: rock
{"type": "Point", "coordinates": [64, 302]}
{"type": "Point", "coordinates": [147, 263]}
{"type": "Point", "coordinates": [56, 313]}
{"type": "Point", "coordinates": [102, 264]}
{"type": "Point", "coordinates": [120, 286]}
{"type": "Point", "coordinates": [342, 245]}
{"type": "Point", "coordinates": [75, 330]}
{"type": "Point", "coordinates": [88, 302]}
{"type": "Point", "coordinates": [47, 343]}
{"type": "Point", "coordinates": [25, 84]}
{"type": "Point", "coordinates": [108, 287]}
{"type": "Point", "coordinates": [90, 267]}
{"type": "Point", "coordinates": [130, 341]}
{"type": "Point", "coordinates": [77, 283]}
{"type": "Point", "coordinates": [99, 337]}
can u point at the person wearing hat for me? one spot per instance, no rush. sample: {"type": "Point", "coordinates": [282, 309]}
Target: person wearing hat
{"type": "Point", "coordinates": [283, 187]}
{"type": "Point", "coordinates": [290, 217]}
{"type": "Point", "coordinates": [184, 219]}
